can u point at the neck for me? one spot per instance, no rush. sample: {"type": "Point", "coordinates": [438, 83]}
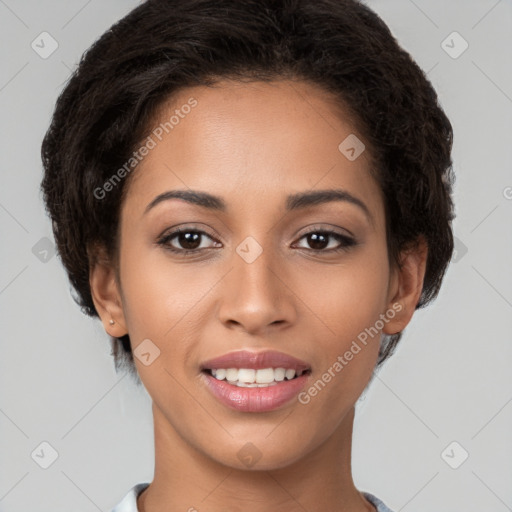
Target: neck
{"type": "Point", "coordinates": [186, 479]}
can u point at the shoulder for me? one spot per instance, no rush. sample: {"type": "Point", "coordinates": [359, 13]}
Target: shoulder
{"type": "Point", "coordinates": [379, 504]}
{"type": "Point", "coordinates": [129, 502]}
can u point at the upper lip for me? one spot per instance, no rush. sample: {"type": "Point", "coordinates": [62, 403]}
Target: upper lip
{"type": "Point", "coordinates": [256, 361]}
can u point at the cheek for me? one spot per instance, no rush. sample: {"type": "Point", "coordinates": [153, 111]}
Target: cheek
{"type": "Point", "coordinates": [358, 301]}
{"type": "Point", "coordinates": [348, 302]}
{"type": "Point", "coordinates": [347, 298]}
{"type": "Point", "coordinates": [160, 297]}
{"type": "Point", "coordinates": [160, 302]}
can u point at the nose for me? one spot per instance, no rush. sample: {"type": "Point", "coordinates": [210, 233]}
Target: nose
{"type": "Point", "coordinates": [255, 297]}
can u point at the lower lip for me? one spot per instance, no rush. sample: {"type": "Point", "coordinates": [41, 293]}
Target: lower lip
{"type": "Point", "coordinates": [255, 399]}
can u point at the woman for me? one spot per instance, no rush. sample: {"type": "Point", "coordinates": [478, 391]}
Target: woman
{"type": "Point", "coordinates": [254, 198]}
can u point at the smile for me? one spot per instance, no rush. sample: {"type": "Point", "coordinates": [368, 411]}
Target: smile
{"type": "Point", "coordinates": [255, 381]}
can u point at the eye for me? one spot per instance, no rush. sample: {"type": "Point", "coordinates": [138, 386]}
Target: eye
{"type": "Point", "coordinates": [321, 241]}
{"type": "Point", "coordinates": [185, 240]}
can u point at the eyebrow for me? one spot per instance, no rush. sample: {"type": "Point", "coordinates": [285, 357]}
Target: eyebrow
{"type": "Point", "coordinates": [293, 202]}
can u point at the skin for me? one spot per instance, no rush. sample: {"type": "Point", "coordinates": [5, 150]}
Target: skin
{"type": "Point", "coordinates": [253, 144]}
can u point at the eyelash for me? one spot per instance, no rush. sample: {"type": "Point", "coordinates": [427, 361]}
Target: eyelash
{"type": "Point", "coordinates": [346, 242]}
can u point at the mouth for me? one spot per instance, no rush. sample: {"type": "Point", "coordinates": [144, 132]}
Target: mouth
{"type": "Point", "coordinates": [255, 381]}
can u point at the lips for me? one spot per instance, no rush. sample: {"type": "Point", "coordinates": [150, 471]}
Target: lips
{"type": "Point", "coordinates": [255, 397]}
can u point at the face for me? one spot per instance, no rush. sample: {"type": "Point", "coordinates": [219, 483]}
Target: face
{"type": "Point", "coordinates": [265, 270]}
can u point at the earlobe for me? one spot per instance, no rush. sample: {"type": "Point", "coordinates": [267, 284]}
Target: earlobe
{"type": "Point", "coordinates": [409, 285]}
{"type": "Point", "coordinates": [107, 298]}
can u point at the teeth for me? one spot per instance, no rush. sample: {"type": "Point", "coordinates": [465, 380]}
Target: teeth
{"type": "Point", "coordinates": [252, 385]}
{"type": "Point", "coordinates": [265, 376]}
{"type": "Point", "coordinates": [279, 374]}
{"type": "Point", "coordinates": [246, 375]}
{"type": "Point", "coordinates": [289, 374]}
{"type": "Point", "coordinates": [250, 378]}
{"type": "Point", "coordinates": [220, 373]}
{"type": "Point", "coordinates": [232, 374]}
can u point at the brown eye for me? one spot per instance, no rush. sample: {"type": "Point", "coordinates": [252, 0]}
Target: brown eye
{"type": "Point", "coordinates": [188, 240]}
{"type": "Point", "coordinates": [320, 241]}
{"type": "Point", "coordinates": [185, 241]}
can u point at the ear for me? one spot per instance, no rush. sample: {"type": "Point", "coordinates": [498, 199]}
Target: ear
{"type": "Point", "coordinates": [407, 284]}
{"type": "Point", "coordinates": [106, 294]}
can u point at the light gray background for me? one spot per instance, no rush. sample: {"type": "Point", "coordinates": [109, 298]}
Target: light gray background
{"type": "Point", "coordinates": [450, 379]}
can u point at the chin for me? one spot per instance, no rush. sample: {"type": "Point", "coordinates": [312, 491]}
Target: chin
{"type": "Point", "coordinates": [258, 452]}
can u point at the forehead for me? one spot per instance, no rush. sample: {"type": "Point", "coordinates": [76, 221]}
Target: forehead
{"type": "Point", "coordinates": [249, 141]}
